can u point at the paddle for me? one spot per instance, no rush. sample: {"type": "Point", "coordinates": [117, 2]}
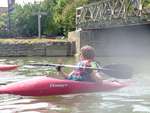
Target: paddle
{"type": "Point", "coordinates": [120, 71]}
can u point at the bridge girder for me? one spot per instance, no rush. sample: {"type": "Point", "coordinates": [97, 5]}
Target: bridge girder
{"type": "Point", "coordinates": [110, 13]}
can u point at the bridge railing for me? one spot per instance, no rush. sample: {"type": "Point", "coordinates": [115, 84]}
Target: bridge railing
{"type": "Point", "coordinates": [109, 13]}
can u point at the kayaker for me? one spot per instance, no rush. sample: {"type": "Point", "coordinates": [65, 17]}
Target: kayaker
{"type": "Point", "coordinates": [87, 59]}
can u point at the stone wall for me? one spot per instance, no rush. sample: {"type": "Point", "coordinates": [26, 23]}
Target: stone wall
{"type": "Point", "coordinates": [117, 41]}
{"type": "Point", "coordinates": [38, 49]}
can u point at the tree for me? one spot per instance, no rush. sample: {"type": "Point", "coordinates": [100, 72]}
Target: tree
{"type": "Point", "coordinates": [3, 21]}
{"type": "Point", "coordinates": [65, 12]}
{"type": "Point", "coordinates": [48, 25]}
{"type": "Point", "coordinates": [24, 22]}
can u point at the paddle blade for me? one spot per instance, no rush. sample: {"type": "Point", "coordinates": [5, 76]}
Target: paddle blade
{"type": "Point", "coordinates": [121, 71]}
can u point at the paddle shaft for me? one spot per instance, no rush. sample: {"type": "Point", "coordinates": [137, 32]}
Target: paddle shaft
{"type": "Point", "coordinates": [120, 71]}
{"type": "Point", "coordinates": [70, 66]}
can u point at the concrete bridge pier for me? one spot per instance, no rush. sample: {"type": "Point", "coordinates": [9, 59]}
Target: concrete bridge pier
{"type": "Point", "coordinates": [120, 41]}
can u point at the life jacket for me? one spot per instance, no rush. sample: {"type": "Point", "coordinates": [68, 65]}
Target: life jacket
{"type": "Point", "coordinates": [83, 74]}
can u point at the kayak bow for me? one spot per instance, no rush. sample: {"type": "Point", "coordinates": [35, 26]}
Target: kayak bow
{"type": "Point", "coordinates": [46, 86]}
{"type": "Point", "coordinates": [6, 67]}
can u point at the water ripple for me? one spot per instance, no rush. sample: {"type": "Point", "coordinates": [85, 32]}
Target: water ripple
{"type": "Point", "coordinates": [141, 108]}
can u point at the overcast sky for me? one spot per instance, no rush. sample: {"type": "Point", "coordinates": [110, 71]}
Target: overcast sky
{"type": "Point", "coordinates": [3, 3]}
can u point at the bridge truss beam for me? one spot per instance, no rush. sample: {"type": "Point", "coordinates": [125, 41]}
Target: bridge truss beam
{"type": "Point", "coordinates": [110, 13]}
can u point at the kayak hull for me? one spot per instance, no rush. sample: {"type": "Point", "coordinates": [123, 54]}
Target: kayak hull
{"type": "Point", "coordinates": [7, 67]}
{"type": "Point", "coordinates": [46, 86]}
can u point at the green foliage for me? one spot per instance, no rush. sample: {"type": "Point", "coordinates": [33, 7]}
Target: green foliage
{"type": "Point", "coordinates": [64, 15]}
{"type": "Point", "coordinates": [48, 24]}
{"type": "Point", "coordinates": [23, 20]}
{"type": "Point", "coordinates": [69, 14]}
{"type": "Point", "coordinates": [146, 3]}
{"type": "Point", "coordinates": [3, 21]}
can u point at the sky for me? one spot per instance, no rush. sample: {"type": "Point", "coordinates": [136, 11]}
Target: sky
{"type": "Point", "coordinates": [3, 3]}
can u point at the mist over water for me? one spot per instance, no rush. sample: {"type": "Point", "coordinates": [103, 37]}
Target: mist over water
{"type": "Point", "coordinates": [132, 99]}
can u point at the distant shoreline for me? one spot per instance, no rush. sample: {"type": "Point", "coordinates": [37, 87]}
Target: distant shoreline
{"type": "Point", "coordinates": [29, 41]}
{"type": "Point", "coordinates": [36, 47]}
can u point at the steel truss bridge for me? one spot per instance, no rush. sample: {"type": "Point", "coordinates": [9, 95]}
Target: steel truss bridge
{"type": "Point", "coordinates": [112, 13]}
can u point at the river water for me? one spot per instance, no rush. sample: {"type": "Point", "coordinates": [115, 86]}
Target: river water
{"type": "Point", "coordinates": [132, 99]}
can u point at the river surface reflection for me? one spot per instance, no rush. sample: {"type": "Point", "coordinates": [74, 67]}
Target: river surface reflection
{"type": "Point", "coordinates": [132, 99]}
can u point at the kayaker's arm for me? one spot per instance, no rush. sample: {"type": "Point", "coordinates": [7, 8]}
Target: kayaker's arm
{"type": "Point", "coordinates": [96, 76]}
{"type": "Point", "coordinates": [61, 72]}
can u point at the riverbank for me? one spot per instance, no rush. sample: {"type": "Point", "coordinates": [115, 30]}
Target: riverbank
{"type": "Point", "coordinates": [36, 47]}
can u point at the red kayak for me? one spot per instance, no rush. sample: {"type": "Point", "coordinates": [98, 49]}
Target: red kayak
{"type": "Point", "coordinates": [46, 86]}
{"type": "Point", "coordinates": [6, 67]}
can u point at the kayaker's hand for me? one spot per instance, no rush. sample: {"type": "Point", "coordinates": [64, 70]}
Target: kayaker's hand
{"type": "Point", "coordinates": [58, 68]}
